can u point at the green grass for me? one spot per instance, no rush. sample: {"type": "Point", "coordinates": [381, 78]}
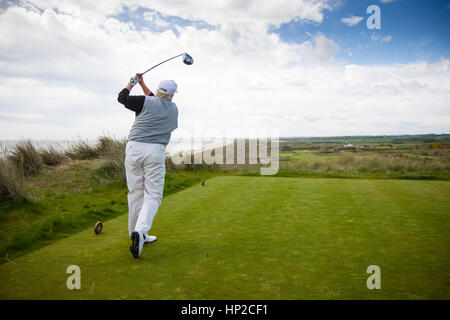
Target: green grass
{"type": "Point", "coordinates": [69, 199]}
{"type": "Point", "coordinates": [260, 238]}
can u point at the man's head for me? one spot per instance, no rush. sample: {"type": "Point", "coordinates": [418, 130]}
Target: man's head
{"type": "Point", "coordinates": [166, 89]}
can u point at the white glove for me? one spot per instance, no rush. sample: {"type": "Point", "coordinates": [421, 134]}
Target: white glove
{"type": "Point", "coordinates": [133, 80]}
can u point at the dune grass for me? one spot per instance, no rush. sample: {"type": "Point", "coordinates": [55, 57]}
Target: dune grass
{"type": "Point", "coordinates": [82, 150]}
{"type": "Point", "coordinates": [11, 183]}
{"type": "Point", "coordinates": [260, 238]}
{"type": "Point", "coordinates": [53, 156]}
{"type": "Point", "coordinates": [26, 158]}
{"type": "Point", "coordinates": [111, 157]}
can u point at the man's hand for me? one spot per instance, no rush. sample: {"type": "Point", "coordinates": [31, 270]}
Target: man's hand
{"type": "Point", "coordinates": [133, 81]}
{"type": "Point", "coordinates": [140, 78]}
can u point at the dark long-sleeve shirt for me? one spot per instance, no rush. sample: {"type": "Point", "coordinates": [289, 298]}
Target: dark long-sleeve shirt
{"type": "Point", "coordinates": [134, 103]}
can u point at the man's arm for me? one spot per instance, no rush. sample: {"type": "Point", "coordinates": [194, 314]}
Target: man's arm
{"type": "Point", "coordinates": [146, 90]}
{"type": "Point", "coordinates": [134, 103]}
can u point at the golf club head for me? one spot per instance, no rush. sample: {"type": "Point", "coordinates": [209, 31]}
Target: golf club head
{"type": "Point", "coordinates": [187, 59]}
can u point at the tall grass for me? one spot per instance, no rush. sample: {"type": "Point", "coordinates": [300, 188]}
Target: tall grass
{"type": "Point", "coordinates": [26, 158]}
{"type": "Point", "coordinates": [108, 152]}
{"type": "Point", "coordinates": [51, 156]}
{"type": "Point", "coordinates": [29, 160]}
{"type": "Point", "coordinates": [82, 151]}
{"type": "Point", "coordinates": [111, 157]}
{"type": "Point", "coordinates": [356, 165]}
{"type": "Point", "coordinates": [11, 183]}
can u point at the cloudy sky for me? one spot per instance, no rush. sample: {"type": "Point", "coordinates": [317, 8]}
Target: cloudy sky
{"type": "Point", "coordinates": [302, 67]}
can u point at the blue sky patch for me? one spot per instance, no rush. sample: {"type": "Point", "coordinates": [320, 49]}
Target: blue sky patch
{"type": "Point", "coordinates": [152, 20]}
{"type": "Point", "coordinates": [411, 30]}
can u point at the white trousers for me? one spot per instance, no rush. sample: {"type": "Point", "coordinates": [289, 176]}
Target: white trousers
{"type": "Point", "coordinates": [145, 169]}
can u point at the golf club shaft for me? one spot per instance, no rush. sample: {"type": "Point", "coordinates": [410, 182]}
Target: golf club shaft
{"type": "Point", "coordinates": [161, 63]}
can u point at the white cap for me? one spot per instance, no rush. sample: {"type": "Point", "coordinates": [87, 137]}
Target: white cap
{"type": "Point", "coordinates": [168, 86]}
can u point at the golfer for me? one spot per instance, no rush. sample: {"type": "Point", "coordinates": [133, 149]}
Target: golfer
{"type": "Point", "coordinates": [156, 118]}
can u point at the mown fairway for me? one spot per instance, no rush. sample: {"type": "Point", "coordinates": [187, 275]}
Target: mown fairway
{"type": "Point", "coordinates": [260, 238]}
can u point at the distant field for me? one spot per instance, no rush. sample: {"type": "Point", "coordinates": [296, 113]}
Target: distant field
{"type": "Point", "coordinates": [260, 238]}
{"type": "Point", "coordinates": [413, 157]}
{"type": "Point", "coordinates": [418, 157]}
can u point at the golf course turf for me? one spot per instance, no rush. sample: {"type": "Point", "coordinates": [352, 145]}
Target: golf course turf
{"type": "Point", "coordinates": [259, 238]}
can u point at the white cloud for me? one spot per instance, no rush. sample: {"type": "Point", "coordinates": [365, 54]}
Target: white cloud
{"type": "Point", "coordinates": [387, 1]}
{"type": "Point", "coordinates": [62, 80]}
{"type": "Point", "coordinates": [214, 12]}
{"type": "Point", "coordinates": [154, 18]}
{"type": "Point", "coordinates": [352, 20]}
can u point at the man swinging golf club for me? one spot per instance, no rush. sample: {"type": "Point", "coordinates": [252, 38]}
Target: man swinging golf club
{"type": "Point", "coordinates": [156, 118]}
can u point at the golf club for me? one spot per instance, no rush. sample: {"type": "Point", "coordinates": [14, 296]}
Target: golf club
{"type": "Point", "coordinates": [187, 59]}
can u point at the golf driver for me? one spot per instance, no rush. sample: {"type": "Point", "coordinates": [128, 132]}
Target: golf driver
{"type": "Point", "coordinates": [187, 59]}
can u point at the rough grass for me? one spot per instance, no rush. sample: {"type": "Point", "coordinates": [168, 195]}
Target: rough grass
{"type": "Point", "coordinates": [108, 152]}
{"type": "Point", "coordinates": [260, 238]}
{"type": "Point", "coordinates": [82, 150]}
{"type": "Point", "coordinates": [30, 160]}
{"type": "Point", "coordinates": [52, 156]}
{"type": "Point", "coordinates": [409, 159]}
{"type": "Point", "coordinates": [371, 165]}
{"type": "Point", "coordinates": [26, 158]}
{"type": "Point", "coordinates": [111, 157]}
{"type": "Point", "coordinates": [11, 183]}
